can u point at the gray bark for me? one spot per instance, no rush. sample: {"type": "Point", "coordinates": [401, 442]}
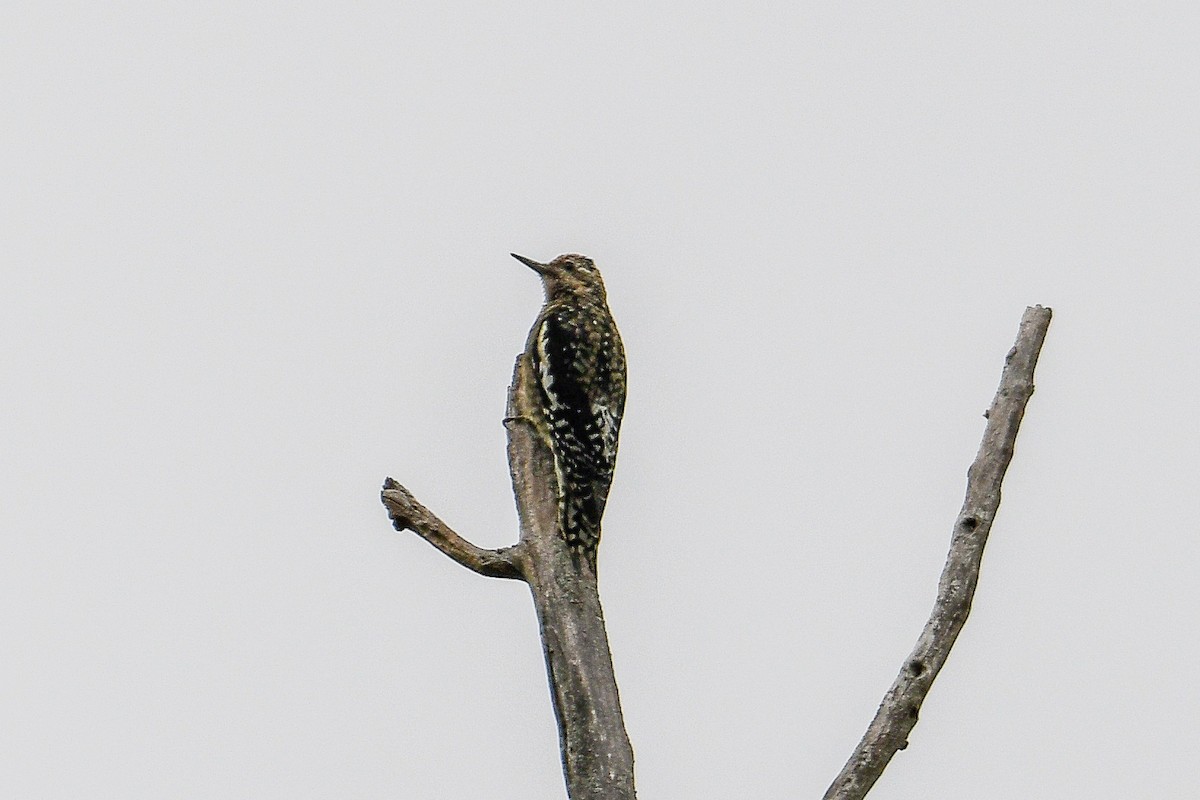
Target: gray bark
{"type": "Point", "coordinates": [897, 715]}
{"type": "Point", "coordinates": [596, 753]}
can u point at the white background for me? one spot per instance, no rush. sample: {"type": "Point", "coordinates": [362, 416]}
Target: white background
{"type": "Point", "coordinates": [254, 259]}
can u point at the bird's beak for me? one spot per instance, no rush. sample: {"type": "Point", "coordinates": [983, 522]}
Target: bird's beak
{"type": "Point", "coordinates": [529, 262]}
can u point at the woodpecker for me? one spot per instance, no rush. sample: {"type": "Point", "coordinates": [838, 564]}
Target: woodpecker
{"type": "Point", "coordinates": [579, 363]}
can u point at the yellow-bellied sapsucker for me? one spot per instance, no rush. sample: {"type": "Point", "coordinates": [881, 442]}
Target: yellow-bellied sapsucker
{"type": "Point", "coordinates": [578, 359]}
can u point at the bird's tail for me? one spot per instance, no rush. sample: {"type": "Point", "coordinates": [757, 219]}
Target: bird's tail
{"type": "Point", "coordinates": [581, 526]}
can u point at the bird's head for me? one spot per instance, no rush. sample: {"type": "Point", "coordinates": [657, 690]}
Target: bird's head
{"type": "Point", "coordinates": [571, 273]}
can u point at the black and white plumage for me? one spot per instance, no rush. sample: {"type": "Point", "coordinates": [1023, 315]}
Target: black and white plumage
{"type": "Point", "coordinates": [577, 356]}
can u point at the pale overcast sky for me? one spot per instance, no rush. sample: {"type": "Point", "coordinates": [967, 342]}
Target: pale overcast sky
{"type": "Point", "coordinates": [255, 258]}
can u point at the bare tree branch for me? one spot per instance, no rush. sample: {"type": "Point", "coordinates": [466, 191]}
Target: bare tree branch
{"type": "Point", "coordinates": [596, 753]}
{"type": "Point", "coordinates": [889, 730]}
{"type": "Point", "coordinates": [407, 514]}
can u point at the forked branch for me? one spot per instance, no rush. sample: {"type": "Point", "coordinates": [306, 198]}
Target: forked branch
{"type": "Point", "coordinates": [596, 754]}
{"type": "Point", "coordinates": [889, 730]}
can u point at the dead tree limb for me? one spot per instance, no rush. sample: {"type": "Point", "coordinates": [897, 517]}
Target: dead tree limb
{"type": "Point", "coordinates": [596, 753]}
{"type": "Point", "coordinates": [408, 514]}
{"type": "Point", "coordinates": [889, 730]}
